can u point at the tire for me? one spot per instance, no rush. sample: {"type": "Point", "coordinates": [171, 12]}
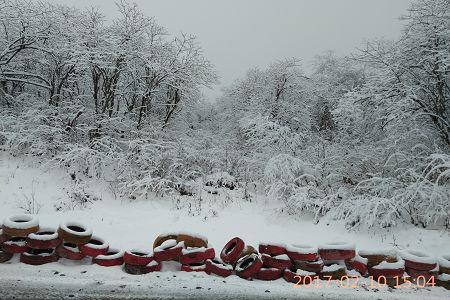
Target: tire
{"type": "Point", "coordinates": [164, 237]}
{"type": "Point", "coordinates": [309, 266]}
{"type": "Point", "coordinates": [335, 274]}
{"type": "Point", "coordinates": [269, 274]}
{"type": "Point", "coordinates": [337, 251]}
{"type": "Point", "coordinates": [416, 273]}
{"type": "Point", "coordinates": [95, 247]}
{"type": "Point", "coordinates": [110, 259]}
{"type": "Point", "coordinates": [172, 252]}
{"type": "Point", "coordinates": [45, 238]}
{"type": "Point", "coordinates": [302, 252]}
{"type": "Point", "coordinates": [196, 255]}
{"type": "Point", "coordinates": [37, 257]}
{"type": "Point", "coordinates": [232, 250]}
{"type": "Point", "coordinates": [5, 256]}
{"type": "Point", "coordinates": [134, 269]}
{"type": "Point", "coordinates": [388, 269]}
{"type": "Point", "coordinates": [137, 257]}
{"type": "Point", "coordinates": [290, 276]}
{"type": "Point", "coordinates": [154, 266]}
{"type": "Point", "coordinates": [75, 233]}
{"type": "Point", "coordinates": [443, 281]}
{"type": "Point", "coordinates": [3, 237]}
{"type": "Point", "coordinates": [358, 263]}
{"type": "Point", "coordinates": [418, 260]}
{"type": "Point", "coordinates": [272, 249]}
{"type": "Point", "coordinates": [192, 241]}
{"type": "Point", "coordinates": [196, 267]}
{"type": "Point", "coordinates": [444, 264]}
{"type": "Point", "coordinates": [20, 225]}
{"type": "Point", "coordinates": [247, 251]}
{"type": "Point", "coordinates": [214, 266]}
{"type": "Point", "coordinates": [69, 251]}
{"type": "Point", "coordinates": [15, 245]}
{"type": "Point", "coordinates": [377, 257]}
{"type": "Point", "coordinates": [278, 262]}
{"type": "Point", "coordinates": [248, 266]}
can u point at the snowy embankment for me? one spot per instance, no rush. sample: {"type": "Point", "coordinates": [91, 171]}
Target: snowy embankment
{"type": "Point", "coordinates": [127, 225]}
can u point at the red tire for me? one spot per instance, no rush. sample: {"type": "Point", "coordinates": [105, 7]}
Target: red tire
{"type": "Point", "coordinates": [416, 273]}
{"type": "Point", "coordinates": [153, 266]}
{"type": "Point", "coordinates": [110, 259]}
{"type": "Point", "coordinates": [272, 249]}
{"type": "Point", "coordinates": [95, 247]}
{"type": "Point", "coordinates": [278, 262]}
{"type": "Point", "coordinates": [214, 266]}
{"type": "Point", "coordinates": [358, 263]}
{"type": "Point", "coordinates": [388, 270]}
{"type": "Point", "coordinates": [196, 255]}
{"type": "Point", "coordinates": [168, 251]}
{"type": "Point", "coordinates": [310, 266]}
{"type": "Point", "coordinates": [232, 250]}
{"type": "Point", "coordinates": [39, 257]}
{"type": "Point", "coordinates": [69, 251]}
{"type": "Point", "coordinates": [75, 233]}
{"type": "Point", "coordinates": [45, 238]}
{"type": "Point", "coordinates": [269, 274]}
{"type": "Point", "coordinates": [290, 276]}
{"type": "Point", "coordinates": [418, 260]}
{"type": "Point", "coordinates": [444, 264]}
{"type": "Point", "coordinates": [248, 266]}
{"type": "Point", "coordinates": [196, 267]}
{"type": "Point", "coordinates": [302, 252]}
{"type": "Point", "coordinates": [3, 237]}
{"type": "Point", "coordinates": [5, 256]}
{"type": "Point", "coordinates": [15, 245]}
{"type": "Point", "coordinates": [295, 277]}
{"type": "Point", "coordinates": [337, 251]}
{"type": "Point", "coordinates": [137, 257]}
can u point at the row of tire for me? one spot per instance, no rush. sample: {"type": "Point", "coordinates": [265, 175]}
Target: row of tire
{"type": "Point", "coordinates": [22, 235]}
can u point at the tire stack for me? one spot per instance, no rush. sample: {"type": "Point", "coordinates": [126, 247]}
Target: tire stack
{"type": "Point", "coordinates": [241, 258]}
{"type": "Point", "coordinates": [196, 253]}
{"type": "Point", "coordinates": [15, 230]}
{"type": "Point", "coordinates": [72, 236]}
{"type": "Point", "coordinates": [384, 263]}
{"type": "Point", "coordinates": [138, 262]}
{"type": "Point", "coordinates": [42, 247]}
{"type": "Point", "coordinates": [419, 263]}
{"type": "Point", "coordinates": [275, 261]}
{"type": "Point", "coordinates": [306, 262]}
{"type": "Point", "coordinates": [443, 278]}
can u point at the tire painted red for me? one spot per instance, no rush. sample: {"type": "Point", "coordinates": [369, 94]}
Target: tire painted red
{"type": "Point", "coordinates": [153, 267]}
{"type": "Point", "coordinates": [218, 268]}
{"type": "Point", "coordinates": [289, 276]}
{"type": "Point", "coordinates": [334, 254]}
{"type": "Point", "coordinates": [197, 267]}
{"type": "Point", "coordinates": [310, 266]}
{"type": "Point", "coordinates": [273, 262]}
{"type": "Point", "coordinates": [169, 254]}
{"type": "Point", "coordinates": [388, 273]}
{"type": "Point", "coordinates": [110, 259]}
{"type": "Point", "coordinates": [196, 255]}
{"type": "Point", "coordinates": [302, 256]}
{"type": "Point", "coordinates": [95, 247]}
{"type": "Point", "coordinates": [419, 266]}
{"type": "Point", "coordinates": [37, 257]}
{"type": "Point", "coordinates": [269, 274]}
{"type": "Point", "coordinates": [69, 251]}
{"type": "Point", "coordinates": [271, 249]}
{"type": "Point", "coordinates": [232, 250]}
{"type": "Point", "coordinates": [5, 256]}
{"type": "Point", "coordinates": [358, 266]}
{"type": "Point", "coordinates": [15, 245]}
{"type": "Point", "coordinates": [137, 258]}
{"type": "Point", "coordinates": [416, 273]}
{"type": "Point", "coordinates": [43, 239]}
{"type": "Point", "coordinates": [248, 266]}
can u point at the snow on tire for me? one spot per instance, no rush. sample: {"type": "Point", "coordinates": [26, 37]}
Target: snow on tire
{"type": "Point", "coordinates": [418, 260]}
{"type": "Point", "coordinates": [217, 267]}
{"type": "Point", "coordinates": [15, 245]}
{"type": "Point", "coordinates": [388, 269]}
{"type": "Point", "coordinates": [69, 251]}
{"type": "Point", "coordinates": [168, 250]}
{"type": "Point", "coordinates": [137, 257]}
{"type": "Point", "coordinates": [375, 257]}
{"type": "Point", "coordinates": [337, 251]}
{"type": "Point", "coordinates": [358, 263]}
{"type": "Point", "coordinates": [196, 255]}
{"type": "Point", "coordinates": [232, 250]}
{"type": "Point", "coordinates": [278, 262]}
{"type": "Point", "coordinates": [443, 280]}
{"type": "Point", "coordinates": [112, 258]}
{"type": "Point", "coordinates": [269, 274]}
{"type": "Point", "coordinates": [45, 238]}
{"type": "Point", "coordinates": [75, 233]}
{"type": "Point", "coordinates": [195, 267]}
{"type": "Point", "coordinates": [272, 249]}
{"type": "Point", "coordinates": [444, 264]}
{"type": "Point", "coordinates": [309, 266]}
{"type": "Point", "coordinates": [336, 271]}
{"type": "Point", "coordinates": [193, 240]}
{"type": "Point", "coordinates": [20, 225]}
{"type": "Point", "coordinates": [164, 237]}
{"type": "Point", "coordinates": [248, 266]}
{"type": "Point", "coordinates": [247, 251]}
{"type": "Point", "coordinates": [95, 247]}
{"type": "Point", "coordinates": [5, 256]}
{"type": "Point", "coordinates": [302, 252]}
{"type": "Point", "coordinates": [37, 257]}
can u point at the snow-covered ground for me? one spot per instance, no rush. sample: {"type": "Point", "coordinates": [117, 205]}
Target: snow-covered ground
{"type": "Point", "coordinates": [135, 224]}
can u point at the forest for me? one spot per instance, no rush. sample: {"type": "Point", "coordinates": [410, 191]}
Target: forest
{"type": "Point", "coordinates": [363, 138]}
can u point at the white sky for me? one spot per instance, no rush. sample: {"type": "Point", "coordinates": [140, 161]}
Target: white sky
{"type": "Point", "coordinates": [239, 34]}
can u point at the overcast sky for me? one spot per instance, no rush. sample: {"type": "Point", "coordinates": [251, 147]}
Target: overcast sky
{"type": "Point", "coordinates": [239, 34]}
